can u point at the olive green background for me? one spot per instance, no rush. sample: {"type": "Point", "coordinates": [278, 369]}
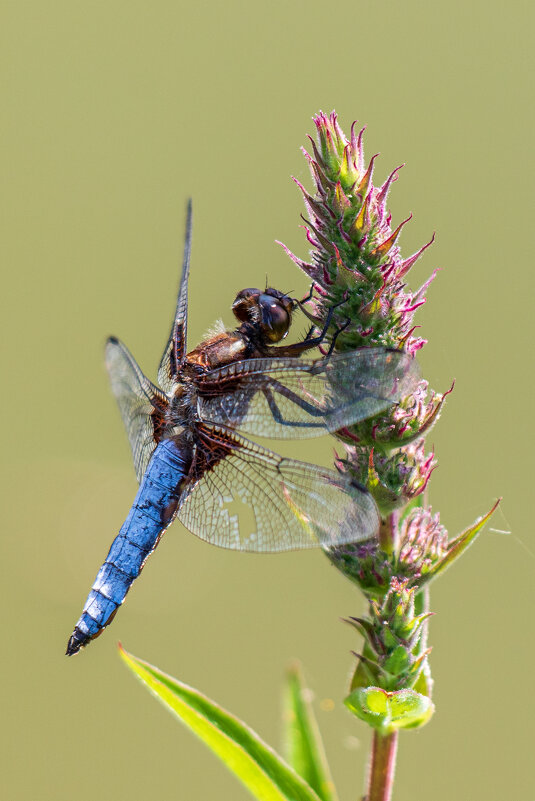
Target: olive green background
{"type": "Point", "coordinates": [112, 114]}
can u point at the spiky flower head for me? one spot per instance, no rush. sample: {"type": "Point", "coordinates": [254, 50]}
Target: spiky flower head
{"type": "Point", "coordinates": [359, 275]}
{"type": "Point", "coordinates": [391, 685]}
{"type": "Point", "coordinates": [421, 551]}
{"type": "Point", "coordinates": [359, 280]}
{"type": "Point", "coordinates": [355, 257]}
{"type": "Point", "coordinates": [394, 640]}
{"type": "Point", "coordinates": [393, 478]}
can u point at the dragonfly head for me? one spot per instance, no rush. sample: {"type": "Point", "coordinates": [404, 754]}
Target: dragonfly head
{"type": "Point", "coordinates": [268, 310]}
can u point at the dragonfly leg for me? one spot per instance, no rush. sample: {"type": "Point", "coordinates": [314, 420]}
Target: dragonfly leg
{"type": "Point", "coordinates": [313, 411]}
{"type": "Point", "coordinates": [309, 341]}
{"type": "Point", "coordinates": [307, 297]}
{"type": "Point", "coordinates": [336, 334]}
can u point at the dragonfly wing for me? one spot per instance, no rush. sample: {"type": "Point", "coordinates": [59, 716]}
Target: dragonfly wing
{"type": "Point", "coordinates": [241, 496]}
{"type": "Point", "coordinates": [142, 405]}
{"type": "Point", "coordinates": [294, 398]}
{"type": "Point", "coordinates": [175, 350]}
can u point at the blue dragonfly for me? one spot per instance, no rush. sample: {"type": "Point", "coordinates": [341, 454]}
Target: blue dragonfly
{"type": "Point", "coordinates": [191, 457]}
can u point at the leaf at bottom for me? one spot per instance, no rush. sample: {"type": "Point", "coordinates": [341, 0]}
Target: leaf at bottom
{"type": "Point", "coordinates": [260, 769]}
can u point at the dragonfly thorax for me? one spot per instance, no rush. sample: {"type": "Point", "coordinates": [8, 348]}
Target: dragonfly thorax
{"type": "Point", "coordinates": [182, 405]}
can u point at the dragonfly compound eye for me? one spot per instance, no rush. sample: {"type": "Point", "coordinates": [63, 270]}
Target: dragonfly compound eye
{"type": "Point", "coordinates": [275, 316]}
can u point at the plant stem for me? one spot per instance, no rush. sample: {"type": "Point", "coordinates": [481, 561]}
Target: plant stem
{"type": "Point", "coordinates": [382, 768]}
{"type": "Point", "coordinates": [389, 534]}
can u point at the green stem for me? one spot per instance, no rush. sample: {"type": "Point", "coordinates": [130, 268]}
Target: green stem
{"type": "Point", "coordinates": [382, 768]}
{"type": "Point", "coordinates": [389, 534]}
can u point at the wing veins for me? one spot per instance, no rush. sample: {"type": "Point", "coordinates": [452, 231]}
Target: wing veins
{"type": "Point", "coordinates": [175, 349]}
{"type": "Point", "coordinates": [307, 398]}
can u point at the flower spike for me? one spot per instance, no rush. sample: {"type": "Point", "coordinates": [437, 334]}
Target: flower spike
{"type": "Point", "coordinates": [356, 258]}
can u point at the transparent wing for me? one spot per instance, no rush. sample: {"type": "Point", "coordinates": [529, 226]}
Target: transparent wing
{"type": "Point", "coordinates": [175, 350]}
{"type": "Point", "coordinates": [242, 496]}
{"type": "Point", "coordinates": [142, 405]}
{"type": "Point", "coordinates": [294, 398]}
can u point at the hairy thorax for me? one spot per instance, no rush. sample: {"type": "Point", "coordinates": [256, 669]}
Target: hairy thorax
{"type": "Point", "coordinates": [219, 350]}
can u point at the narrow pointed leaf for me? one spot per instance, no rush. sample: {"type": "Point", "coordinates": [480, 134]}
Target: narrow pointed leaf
{"type": "Point", "coordinates": [363, 626]}
{"type": "Point", "coordinates": [366, 671]}
{"type": "Point", "coordinates": [260, 769]}
{"type": "Point", "coordinates": [424, 682]}
{"type": "Point", "coordinates": [304, 747]}
{"type": "Point", "coordinates": [460, 544]}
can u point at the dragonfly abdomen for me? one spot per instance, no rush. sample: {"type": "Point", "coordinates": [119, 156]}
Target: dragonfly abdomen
{"type": "Point", "coordinates": [152, 511]}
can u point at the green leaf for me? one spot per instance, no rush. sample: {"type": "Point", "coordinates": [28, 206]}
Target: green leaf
{"type": "Point", "coordinates": [367, 671]}
{"type": "Point", "coordinates": [304, 747]}
{"type": "Point", "coordinates": [424, 682]}
{"type": "Point", "coordinates": [458, 545]}
{"type": "Point", "coordinates": [397, 662]}
{"type": "Point", "coordinates": [389, 711]}
{"type": "Point", "coordinates": [260, 769]}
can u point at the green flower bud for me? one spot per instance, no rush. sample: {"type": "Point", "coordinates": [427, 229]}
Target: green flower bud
{"type": "Point", "coordinates": [394, 654]}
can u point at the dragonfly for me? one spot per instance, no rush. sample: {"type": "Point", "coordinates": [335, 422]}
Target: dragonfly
{"type": "Point", "coordinates": [192, 457]}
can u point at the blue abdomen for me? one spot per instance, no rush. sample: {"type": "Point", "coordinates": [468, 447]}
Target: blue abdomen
{"type": "Point", "coordinates": [151, 513]}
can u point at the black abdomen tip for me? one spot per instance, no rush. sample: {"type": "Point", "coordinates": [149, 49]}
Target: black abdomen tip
{"type": "Point", "coordinates": [78, 640]}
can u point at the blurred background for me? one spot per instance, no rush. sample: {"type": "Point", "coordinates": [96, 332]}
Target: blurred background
{"type": "Point", "coordinates": [113, 113]}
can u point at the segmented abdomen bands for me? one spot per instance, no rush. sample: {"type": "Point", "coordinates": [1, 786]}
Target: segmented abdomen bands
{"type": "Point", "coordinates": [151, 513]}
